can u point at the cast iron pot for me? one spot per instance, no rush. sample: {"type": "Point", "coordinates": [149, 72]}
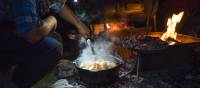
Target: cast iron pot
{"type": "Point", "coordinates": [101, 77]}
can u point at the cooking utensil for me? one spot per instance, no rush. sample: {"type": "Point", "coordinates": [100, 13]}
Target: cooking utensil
{"type": "Point", "coordinates": [101, 77]}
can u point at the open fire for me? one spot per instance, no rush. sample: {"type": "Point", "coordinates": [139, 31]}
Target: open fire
{"type": "Point", "coordinates": [112, 26]}
{"type": "Point", "coordinates": [171, 28]}
{"type": "Point", "coordinates": [149, 43]}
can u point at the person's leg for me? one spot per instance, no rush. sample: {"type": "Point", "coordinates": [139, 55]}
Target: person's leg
{"type": "Point", "coordinates": [33, 68]}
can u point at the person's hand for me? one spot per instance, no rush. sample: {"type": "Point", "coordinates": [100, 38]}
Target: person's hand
{"type": "Point", "coordinates": [84, 30]}
{"type": "Point", "coordinates": [55, 1]}
{"type": "Point", "coordinates": [56, 5]}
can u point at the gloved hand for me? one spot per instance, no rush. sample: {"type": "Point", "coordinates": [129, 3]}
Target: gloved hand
{"type": "Point", "coordinates": [56, 5]}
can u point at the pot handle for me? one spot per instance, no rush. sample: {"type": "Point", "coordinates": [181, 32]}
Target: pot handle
{"type": "Point", "coordinates": [121, 62]}
{"type": "Point", "coordinates": [75, 61]}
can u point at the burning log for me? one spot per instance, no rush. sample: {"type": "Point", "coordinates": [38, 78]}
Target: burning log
{"type": "Point", "coordinates": [171, 40]}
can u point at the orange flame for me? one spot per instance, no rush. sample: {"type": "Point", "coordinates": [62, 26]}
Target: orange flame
{"type": "Point", "coordinates": [171, 27]}
{"type": "Point", "coordinates": [108, 26]}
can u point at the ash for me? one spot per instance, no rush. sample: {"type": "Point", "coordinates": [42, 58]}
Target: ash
{"type": "Point", "coordinates": [177, 78]}
{"type": "Point", "coordinates": [171, 78]}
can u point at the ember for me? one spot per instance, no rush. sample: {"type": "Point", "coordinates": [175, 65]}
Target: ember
{"type": "Point", "coordinates": [145, 43]}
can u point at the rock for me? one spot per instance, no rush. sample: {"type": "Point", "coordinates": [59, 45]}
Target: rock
{"type": "Point", "coordinates": [65, 69]}
{"type": "Point", "coordinates": [189, 76]}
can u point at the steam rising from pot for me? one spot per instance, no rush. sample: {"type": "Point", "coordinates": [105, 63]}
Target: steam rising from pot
{"type": "Point", "coordinates": [97, 56]}
{"type": "Point", "coordinates": [101, 48]}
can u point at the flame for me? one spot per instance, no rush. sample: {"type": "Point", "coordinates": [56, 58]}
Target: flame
{"type": "Point", "coordinates": [117, 26]}
{"type": "Point", "coordinates": [112, 26]}
{"type": "Point", "coordinates": [108, 26]}
{"type": "Point", "coordinates": [171, 27]}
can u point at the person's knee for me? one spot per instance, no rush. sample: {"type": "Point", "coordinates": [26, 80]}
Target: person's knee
{"type": "Point", "coordinates": [58, 50]}
{"type": "Point", "coordinates": [52, 47]}
{"type": "Point", "coordinates": [56, 36]}
{"type": "Point", "coordinates": [58, 46]}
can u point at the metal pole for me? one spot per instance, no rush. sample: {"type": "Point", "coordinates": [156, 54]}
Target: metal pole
{"type": "Point", "coordinates": [138, 64]}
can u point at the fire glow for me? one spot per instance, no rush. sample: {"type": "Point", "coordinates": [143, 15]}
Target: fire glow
{"type": "Point", "coordinates": [171, 27]}
{"type": "Point", "coordinates": [112, 26]}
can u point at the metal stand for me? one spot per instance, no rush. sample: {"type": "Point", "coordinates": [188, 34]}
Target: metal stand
{"type": "Point", "coordinates": [138, 66]}
{"type": "Point", "coordinates": [137, 78]}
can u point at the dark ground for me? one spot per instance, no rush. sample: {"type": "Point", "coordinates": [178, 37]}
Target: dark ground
{"type": "Point", "coordinates": [185, 77]}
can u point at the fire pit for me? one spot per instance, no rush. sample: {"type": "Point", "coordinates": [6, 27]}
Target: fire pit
{"type": "Point", "coordinates": [161, 50]}
{"type": "Point", "coordinates": [176, 55]}
{"type": "Point", "coordinates": [151, 43]}
{"type": "Point", "coordinates": [160, 55]}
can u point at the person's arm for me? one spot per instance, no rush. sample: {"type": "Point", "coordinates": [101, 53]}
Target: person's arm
{"type": "Point", "coordinates": [29, 25]}
{"type": "Point", "coordinates": [47, 25]}
{"type": "Point", "coordinates": [67, 14]}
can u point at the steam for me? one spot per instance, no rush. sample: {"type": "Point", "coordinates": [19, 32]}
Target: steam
{"type": "Point", "coordinates": [102, 48]}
